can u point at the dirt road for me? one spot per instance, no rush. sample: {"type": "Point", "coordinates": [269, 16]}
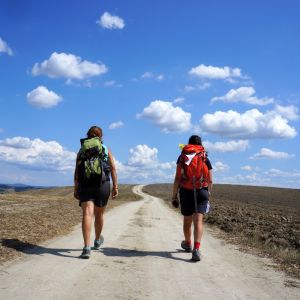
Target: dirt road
{"type": "Point", "coordinates": [141, 259]}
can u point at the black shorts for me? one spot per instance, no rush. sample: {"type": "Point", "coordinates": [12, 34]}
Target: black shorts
{"type": "Point", "coordinates": [187, 201]}
{"type": "Point", "coordinates": [98, 195]}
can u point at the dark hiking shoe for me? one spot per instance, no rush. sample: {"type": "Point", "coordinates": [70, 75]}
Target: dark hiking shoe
{"type": "Point", "coordinates": [86, 253]}
{"type": "Point", "coordinates": [196, 255]}
{"type": "Point", "coordinates": [186, 247]}
{"type": "Point", "coordinates": [98, 243]}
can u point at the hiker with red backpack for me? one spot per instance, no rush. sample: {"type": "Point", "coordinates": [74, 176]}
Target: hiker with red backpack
{"type": "Point", "coordinates": [193, 181]}
{"type": "Point", "coordinates": [94, 167]}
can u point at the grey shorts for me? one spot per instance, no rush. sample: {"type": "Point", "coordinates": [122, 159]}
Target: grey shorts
{"type": "Point", "coordinates": [99, 195]}
{"type": "Point", "coordinates": [187, 201]}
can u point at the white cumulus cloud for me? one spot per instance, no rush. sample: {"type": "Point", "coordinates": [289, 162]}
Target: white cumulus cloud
{"type": "Point", "coordinates": [4, 48]}
{"type": "Point", "coordinates": [143, 155]}
{"type": "Point", "coordinates": [167, 117]}
{"type": "Point", "coordinates": [36, 154]}
{"type": "Point", "coordinates": [43, 98]}
{"type": "Point", "coordinates": [196, 87]}
{"type": "Point", "coordinates": [250, 124]}
{"type": "Point", "coordinates": [290, 112]}
{"type": "Point", "coordinates": [160, 77]}
{"type": "Point", "coordinates": [109, 83]}
{"type": "Point", "coordinates": [243, 94]}
{"type": "Point", "coordinates": [112, 83]}
{"type": "Point", "coordinates": [178, 100]}
{"type": "Point", "coordinates": [143, 166]}
{"type": "Point", "coordinates": [247, 168]}
{"type": "Point", "coordinates": [283, 174]}
{"type": "Point", "coordinates": [211, 72]}
{"type": "Point", "coordinates": [68, 66]}
{"type": "Point", "coordinates": [230, 146]}
{"type": "Point", "coordinates": [109, 21]}
{"type": "Point", "coordinates": [266, 153]}
{"type": "Point", "coordinates": [220, 167]}
{"type": "Point", "coordinates": [116, 125]}
{"type": "Point", "coordinates": [272, 177]}
{"type": "Point", "coordinates": [148, 75]}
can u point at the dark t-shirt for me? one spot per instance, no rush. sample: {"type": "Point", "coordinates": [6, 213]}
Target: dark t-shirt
{"type": "Point", "coordinates": [208, 163]}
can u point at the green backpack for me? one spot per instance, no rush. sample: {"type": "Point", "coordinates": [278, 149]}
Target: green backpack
{"type": "Point", "coordinates": [91, 173]}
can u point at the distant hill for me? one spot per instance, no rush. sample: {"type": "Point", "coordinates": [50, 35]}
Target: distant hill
{"type": "Point", "coordinates": [5, 188]}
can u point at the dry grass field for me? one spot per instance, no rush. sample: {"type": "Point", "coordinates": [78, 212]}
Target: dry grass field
{"type": "Point", "coordinates": [31, 217]}
{"type": "Point", "coordinates": [262, 220]}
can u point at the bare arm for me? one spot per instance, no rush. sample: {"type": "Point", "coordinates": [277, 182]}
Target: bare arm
{"type": "Point", "coordinates": [175, 187]}
{"type": "Point", "coordinates": [176, 183]}
{"type": "Point", "coordinates": [76, 179]}
{"type": "Point", "coordinates": [114, 176]}
{"type": "Point", "coordinates": [210, 181]}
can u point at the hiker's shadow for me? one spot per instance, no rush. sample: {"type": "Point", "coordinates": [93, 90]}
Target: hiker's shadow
{"type": "Point", "coordinates": [118, 252]}
{"type": "Point", "coordinates": [32, 249]}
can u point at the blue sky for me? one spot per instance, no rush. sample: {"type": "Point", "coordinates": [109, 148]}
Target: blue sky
{"type": "Point", "coordinates": [150, 73]}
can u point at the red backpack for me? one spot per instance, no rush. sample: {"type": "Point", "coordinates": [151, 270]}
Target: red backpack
{"type": "Point", "coordinates": [194, 171]}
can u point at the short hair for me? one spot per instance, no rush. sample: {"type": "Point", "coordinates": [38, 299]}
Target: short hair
{"type": "Point", "coordinates": [94, 131]}
{"type": "Point", "coordinates": [195, 140]}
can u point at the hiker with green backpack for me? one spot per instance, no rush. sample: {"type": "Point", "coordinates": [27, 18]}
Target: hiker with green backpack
{"type": "Point", "coordinates": [94, 167]}
{"type": "Point", "coordinates": [193, 181]}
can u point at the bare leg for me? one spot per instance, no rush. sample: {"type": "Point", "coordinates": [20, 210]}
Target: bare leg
{"type": "Point", "coordinates": [187, 227]}
{"type": "Point", "coordinates": [99, 220]}
{"type": "Point", "coordinates": [198, 227]}
{"type": "Point", "coordinates": [87, 218]}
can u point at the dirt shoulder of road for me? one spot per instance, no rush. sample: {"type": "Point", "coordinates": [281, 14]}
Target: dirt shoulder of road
{"type": "Point", "coordinates": [261, 220]}
{"type": "Point", "coordinates": [32, 217]}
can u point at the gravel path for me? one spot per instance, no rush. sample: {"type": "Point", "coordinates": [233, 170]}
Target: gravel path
{"type": "Point", "coordinates": [141, 259]}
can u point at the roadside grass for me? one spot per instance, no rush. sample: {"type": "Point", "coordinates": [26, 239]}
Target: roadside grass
{"type": "Point", "coordinates": [34, 216]}
{"type": "Point", "coordinates": [261, 220]}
